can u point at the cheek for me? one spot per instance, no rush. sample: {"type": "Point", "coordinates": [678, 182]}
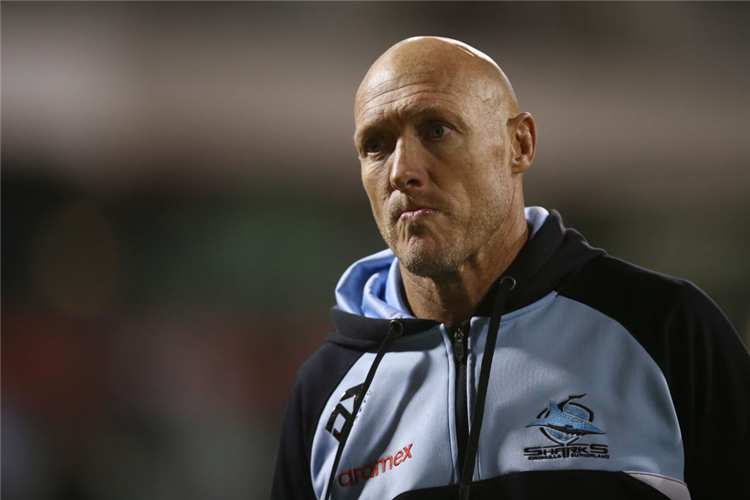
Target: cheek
{"type": "Point", "coordinates": [375, 190]}
{"type": "Point", "coordinates": [375, 179]}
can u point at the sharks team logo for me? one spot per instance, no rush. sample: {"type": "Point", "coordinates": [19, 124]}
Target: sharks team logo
{"type": "Point", "coordinates": [565, 423]}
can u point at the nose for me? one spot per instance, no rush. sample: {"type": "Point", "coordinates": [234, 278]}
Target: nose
{"type": "Point", "coordinates": [408, 168]}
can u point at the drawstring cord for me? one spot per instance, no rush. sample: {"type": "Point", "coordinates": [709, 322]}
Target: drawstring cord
{"type": "Point", "coordinates": [507, 283]}
{"type": "Point", "coordinates": [395, 329]}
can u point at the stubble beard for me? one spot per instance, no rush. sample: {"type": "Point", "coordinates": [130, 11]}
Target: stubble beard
{"type": "Point", "coordinates": [422, 258]}
{"type": "Point", "coordinates": [426, 260]}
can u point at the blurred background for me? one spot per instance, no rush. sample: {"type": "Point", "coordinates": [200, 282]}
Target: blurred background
{"type": "Point", "coordinates": [180, 195]}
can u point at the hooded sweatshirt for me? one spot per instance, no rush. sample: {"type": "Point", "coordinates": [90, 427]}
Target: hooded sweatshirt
{"type": "Point", "coordinates": [602, 380]}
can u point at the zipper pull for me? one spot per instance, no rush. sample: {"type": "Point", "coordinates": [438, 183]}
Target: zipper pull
{"type": "Point", "coordinates": [460, 345]}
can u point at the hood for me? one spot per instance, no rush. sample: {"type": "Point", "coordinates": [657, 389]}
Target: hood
{"type": "Point", "coordinates": [369, 294]}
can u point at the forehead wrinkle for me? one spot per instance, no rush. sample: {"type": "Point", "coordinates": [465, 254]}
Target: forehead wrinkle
{"type": "Point", "coordinates": [377, 82]}
{"type": "Point", "coordinates": [375, 87]}
{"type": "Point", "coordinates": [377, 102]}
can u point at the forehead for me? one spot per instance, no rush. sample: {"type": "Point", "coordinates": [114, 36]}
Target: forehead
{"type": "Point", "coordinates": [399, 94]}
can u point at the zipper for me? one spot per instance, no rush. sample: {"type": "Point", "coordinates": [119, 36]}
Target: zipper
{"type": "Point", "coordinates": [460, 352]}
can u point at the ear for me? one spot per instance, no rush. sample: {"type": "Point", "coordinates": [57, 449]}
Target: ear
{"type": "Point", "coordinates": [523, 139]}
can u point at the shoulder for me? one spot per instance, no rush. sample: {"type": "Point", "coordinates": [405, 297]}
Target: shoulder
{"type": "Point", "coordinates": [645, 302]}
{"type": "Point", "coordinates": [315, 381]}
{"type": "Point", "coordinates": [320, 374]}
{"type": "Point", "coordinates": [679, 326]}
{"type": "Point", "coordinates": [622, 283]}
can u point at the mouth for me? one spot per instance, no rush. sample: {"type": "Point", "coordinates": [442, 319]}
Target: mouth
{"type": "Point", "coordinates": [417, 215]}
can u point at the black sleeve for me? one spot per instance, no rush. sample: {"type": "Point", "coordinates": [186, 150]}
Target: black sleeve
{"type": "Point", "coordinates": [709, 376]}
{"type": "Point", "coordinates": [703, 359]}
{"type": "Point", "coordinates": [291, 479]}
{"type": "Point", "coordinates": [315, 381]}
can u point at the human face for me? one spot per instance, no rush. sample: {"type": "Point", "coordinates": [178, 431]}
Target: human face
{"type": "Point", "coordinates": [435, 156]}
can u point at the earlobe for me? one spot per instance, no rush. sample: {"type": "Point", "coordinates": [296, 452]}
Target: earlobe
{"type": "Point", "coordinates": [524, 142]}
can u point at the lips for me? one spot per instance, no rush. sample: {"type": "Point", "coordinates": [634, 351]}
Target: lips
{"type": "Point", "coordinates": [417, 214]}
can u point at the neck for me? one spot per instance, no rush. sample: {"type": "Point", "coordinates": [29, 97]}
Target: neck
{"type": "Point", "coordinates": [453, 297]}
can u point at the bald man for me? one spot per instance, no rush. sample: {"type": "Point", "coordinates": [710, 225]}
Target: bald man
{"type": "Point", "coordinates": [490, 352]}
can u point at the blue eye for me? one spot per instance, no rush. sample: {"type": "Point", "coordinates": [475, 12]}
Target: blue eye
{"type": "Point", "coordinates": [437, 131]}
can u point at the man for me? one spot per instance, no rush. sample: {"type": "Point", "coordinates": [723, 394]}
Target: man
{"type": "Point", "coordinates": [491, 352]}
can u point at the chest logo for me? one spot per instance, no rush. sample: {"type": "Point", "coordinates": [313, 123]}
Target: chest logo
{"type": "Point", "coordinates": [341, 414]}
{"type": "Point", "coordinates": [369, 471]}
{"type": "Point", "coordinates": [565, 423]}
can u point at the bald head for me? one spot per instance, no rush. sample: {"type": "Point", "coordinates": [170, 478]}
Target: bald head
{"type": "Point", "coordinates": [449, 63]}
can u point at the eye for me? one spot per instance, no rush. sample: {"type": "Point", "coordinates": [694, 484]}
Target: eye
{"type": "Point", "coordinates": [437, 131]}
{"type": "Point", "coordinates": [373, 146]}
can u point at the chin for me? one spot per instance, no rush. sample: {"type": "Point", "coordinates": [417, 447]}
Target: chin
{"type": "Point", "coordinates": [423, 255]}
{"type": "Point", "coordinates": [429, 264]}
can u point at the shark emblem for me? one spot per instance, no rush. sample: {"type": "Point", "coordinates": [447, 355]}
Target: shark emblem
{"type": "Point", "coordinates": [566, 422]}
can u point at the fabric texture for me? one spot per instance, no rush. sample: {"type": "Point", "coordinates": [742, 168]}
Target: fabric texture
{"type": "Point", "coordinates": [607, 381]}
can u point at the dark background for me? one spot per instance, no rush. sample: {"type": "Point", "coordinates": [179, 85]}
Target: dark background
{"type": "Point", "coordinates": [180, 195]}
